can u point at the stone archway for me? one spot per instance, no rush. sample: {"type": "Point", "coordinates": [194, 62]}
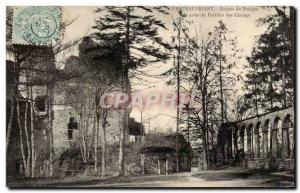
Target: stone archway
{"type": "Point", "coordinates": [267, 141]}
{"type": "Point", "coordinates": [249, 133]}
{"type": "Point", "coordinates": [266, 138]}
{"type": "Point", "coordinates": [246, 148]}
{"type": "Point", "coordinates": [287, 137]}
{"type": "Point", "coordinates": [241, 142]}
{"type": "Point", "coordinates": [276, 138]}
{"type": "Point", "coordinates": [257, 140]}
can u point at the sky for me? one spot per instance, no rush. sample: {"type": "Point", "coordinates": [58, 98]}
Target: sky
{"type": "Point", "coordinates": [241, 21]}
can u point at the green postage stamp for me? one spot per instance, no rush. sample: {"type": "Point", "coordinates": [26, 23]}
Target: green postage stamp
{"type": "Point", "coordinates": [36, 25]}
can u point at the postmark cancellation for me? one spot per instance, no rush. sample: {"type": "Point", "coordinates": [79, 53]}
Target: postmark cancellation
{"type": "Point", "coordinates": [36, 25]}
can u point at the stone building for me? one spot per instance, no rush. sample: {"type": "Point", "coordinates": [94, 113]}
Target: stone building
{"type": "Point", "coordinates": [266, 141]}
{"type": "Point", "coordinates": [159, 155]}
{"type": "Point", "coordinates": [55, 119]}
{"type": "Point", "coordinates": [66, 126]}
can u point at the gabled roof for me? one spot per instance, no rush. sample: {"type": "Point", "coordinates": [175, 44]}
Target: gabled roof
{"type": "Point", "coordinates": [162, 143]}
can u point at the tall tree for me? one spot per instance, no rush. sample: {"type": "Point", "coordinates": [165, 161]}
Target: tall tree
{"type": "Point", "coordinates": [254, 98]}
{"type": "Point", "coordinates": [196, 64]}
{"type": "Point", "coordinates": [207, 60]}
{"type": "Point", "coordinates": [103, 63]}
{"type": "Point", "coordinates": [271, 62]}
{"type": "Point", "coordinates": [226, 53]}
{"type": "Point", "coordinates": [202, 69]}
{"type": "Point", "coordinates": [137, 28]}
{"type": "Point", "coordinates": [178, 28]}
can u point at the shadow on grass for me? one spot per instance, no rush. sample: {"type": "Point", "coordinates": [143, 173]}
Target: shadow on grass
{"type": "Point", "coordinates": [267, 177]}
{"type": "Point", "coordinates": [124, 180]}
{"type": "Point", "coordinates": [93, 182]}
{"type": "Point", "coordinates": [222, 176]}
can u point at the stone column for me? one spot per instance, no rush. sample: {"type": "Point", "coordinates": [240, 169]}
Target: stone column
{"type": "Point", "coordinates": [245, 142]}
{"type": "Point", "coordinates": [274, 142]}
{"type": "Point", "coordinates": [242, 141]}
{"type": "Point", "coordinates": [256, 144]}
{"type": "Point", "coordinates": [167, 163]}
{"type": "Point", "coordinates": [265, 143]}
{"type": "Point", "coordinates": [235, 142]}
{"type": "Point", "coordinates": [249, 143]}
{"type": "Point", "coordinates": [143, 163]}
{"type": "Point", "coordinates": [285, 142]}
{"type": "Point", "coordinates": [158, 165]}
{"type": "Point", "coordinates": [292, 141]}
{"type": "Point", "coordinates": [238, 140]}
{"type": "Point", "coordinates": [230, 141]}
{"type": "Point", "coordinates": [226, 152]}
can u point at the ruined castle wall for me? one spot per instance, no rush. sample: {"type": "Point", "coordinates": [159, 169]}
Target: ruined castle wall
{"type": "Point", "coordinates": [114, 120]}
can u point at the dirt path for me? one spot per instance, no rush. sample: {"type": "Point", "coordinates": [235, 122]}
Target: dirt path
{"type": "Point", "coordinates": [229, 177]}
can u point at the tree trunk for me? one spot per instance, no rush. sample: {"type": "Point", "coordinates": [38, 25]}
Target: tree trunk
{"type": "Point", "coordinates": [50, 126]}
{"type": "Point", "coordinates": [13, 102]}
{"type": "Point", "coordinates": [283, 84]}
{"type": "Point", "coordinates": [213, 145]}
{"type": "Point", "coordinates": [33, 156]}
{"type": "Point", "coordinates": [207, 143]}
{"type": "Point", "coordinates": [204, 128]}
{"type": "Point", "coordinates": [178, 91]}
{"type": "Point", "coordinates": [94, 132]}
{"type": "Point", "coordinates": [123, 129]}
{"type": "Point", "coordinates": [24, 157]}
{"type": "Point", "coordinates": [27, 133]}
{"type": "Point", "coordinates": [83, 137]}
{"type": "Point", "coordinates": [292, 50]}
{"type": "Point", "coordinates": [125, 86]}
{"type": "Point", "coordinates": [143, 131]}
{"type": "Point", "coordinates": [271, 86]}
{"type": "Point", "coordinates": [82, 128]}
{"type": "Point", "coordinates": [122, 143]}
{"type": "Point", "coordinates": [221, 87]}
{"type": "Point", "coordinates": [96, 144]}
{"type": "Point", "coordinates": [10, 122]}
{"type": "Point", "coordinates": [255, 88]}
{"type": "Point", "coordinates": [103, 156]}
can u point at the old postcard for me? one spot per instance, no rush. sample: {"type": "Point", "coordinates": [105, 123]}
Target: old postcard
{"type": "Point", "coordinates": [150, 97]}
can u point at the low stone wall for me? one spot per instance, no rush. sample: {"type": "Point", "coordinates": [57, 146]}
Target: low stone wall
{"type": "Point", "coordinates": [132, 165]}
{"type": "Point", "coordinates": [272, 164]}
{"type": "Point", "coordinates": [151, 163]}
{"type": "Point", "coordinates": [73, 165]}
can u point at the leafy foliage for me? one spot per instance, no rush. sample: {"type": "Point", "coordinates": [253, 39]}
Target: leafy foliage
{"type": "Point", "coordinates": [137, 28]}
{"type": "Point", "coordinates": [270, 79]}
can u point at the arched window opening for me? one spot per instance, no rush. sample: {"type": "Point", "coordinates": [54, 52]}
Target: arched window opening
{"type": "Point", "coordinates": [241, 142]}
{"type": "Point", "coordinates": [287, 137]}
{"type": "Point", "coordinates": [276, 138]}
{"type": "Point", "coordinates": [266, 135]}
{"type": "Point", "coordinates": [250, 140]}
{"type": "Point", "coordinates": [257, 140]}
